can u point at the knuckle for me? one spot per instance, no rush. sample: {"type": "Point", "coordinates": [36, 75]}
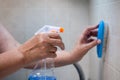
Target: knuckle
{"type": "Point", "coordinates": [43, 40]}
{"type": "Point", "coordinates": [59, 41]}
{"type": "Point", "coordinates": [43, 48]}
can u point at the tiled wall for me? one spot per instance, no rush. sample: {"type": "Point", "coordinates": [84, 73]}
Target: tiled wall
{"type": "Point", "coordinates": [23, 17]}
{"type": "Point", "coordinates": [107, 10]}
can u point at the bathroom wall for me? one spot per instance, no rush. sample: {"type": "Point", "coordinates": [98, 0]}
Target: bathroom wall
{"type": "Point", "coordinates": [23, 18]}
{"type": "Point", "coordinates": [107, 10]}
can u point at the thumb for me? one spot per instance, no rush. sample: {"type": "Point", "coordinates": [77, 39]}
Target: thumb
{"type": "Point", "coordinates": [93, 43]}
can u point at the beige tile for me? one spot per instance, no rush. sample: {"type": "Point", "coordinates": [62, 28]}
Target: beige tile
{"type": "Point", "coordinates": [102, 2]}
{"type": "Point", "coordinates": [35, 4]}
{"type": "Point", "coordinates": [112, 55]}
{"type": "Point", "coordinates": [21, 75]}
{"type": "Point", "coordinates": [12, 3]}
{"type": "Point", "coordinates": [13, 20]}
{"type": "Point", "coordinates": [110, 14]}
{"type": "Point", "coordinates": [54, 3]}
{"type": "Point", "coordinates": [66, 73]}
{"type": "Point", "coordinates": [94, 65]}
{"type": "Point", "coordinates": [118, 76]}
{"type": "Point", "coordinates": [84, 63]}
{"type": "Point", "coordinates": [77, 3]}
{"type": "Point", "coordinates": [108, 10]}
{"type": "Point", "coordinates": [35, 19]}
{"type": "Point", "coordinates": [57, 16]}
{"type": "Point", "coordinates": [110, 73]}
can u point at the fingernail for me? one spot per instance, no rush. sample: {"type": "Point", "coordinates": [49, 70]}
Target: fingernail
{"type": "Point", "coordinates": [98, 41]}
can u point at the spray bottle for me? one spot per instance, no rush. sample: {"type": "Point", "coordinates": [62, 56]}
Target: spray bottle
{"type": "Point", "coordinates": [44, 70]}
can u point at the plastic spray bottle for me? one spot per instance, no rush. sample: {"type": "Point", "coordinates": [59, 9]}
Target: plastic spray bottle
{"type": "Point", "coordinates": [44, 70]}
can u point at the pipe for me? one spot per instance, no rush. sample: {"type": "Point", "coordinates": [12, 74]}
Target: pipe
{"type": "Point", "coordinates": [80, 71]}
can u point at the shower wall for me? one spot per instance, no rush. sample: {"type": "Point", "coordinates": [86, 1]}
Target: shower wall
{"type": "Point", "coordinates": [107, 10]}
{"type": "Point", "coordinates": [23, 18]}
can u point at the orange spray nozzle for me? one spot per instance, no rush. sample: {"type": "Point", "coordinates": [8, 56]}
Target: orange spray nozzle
{"type": "Point", "coordinates": [61, 29]}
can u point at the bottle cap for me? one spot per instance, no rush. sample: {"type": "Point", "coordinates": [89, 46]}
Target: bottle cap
{"type": "Point", "coordinates": [61, 29]}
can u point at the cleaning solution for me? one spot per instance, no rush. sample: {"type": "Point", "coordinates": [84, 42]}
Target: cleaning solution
{"type": "Point", "coordinates": [44, 69]}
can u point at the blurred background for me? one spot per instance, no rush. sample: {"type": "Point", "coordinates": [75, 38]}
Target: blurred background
{"type": "Point", "coordinates": [23, 18]}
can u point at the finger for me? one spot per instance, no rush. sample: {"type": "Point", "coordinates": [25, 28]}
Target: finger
{"type": "Point", "coordinates": [94, 32]}
{"type": "Point", "coordinates": [92, 27]}
{"type": "Point", "coordinates": [57, 42]}
{"type": "Point", "coordinates": [54, 35]}
{"type": "Point", "coordinates": [87, 30]}
{"type": "Point", "coordinates": [52, 54]}
{"type": "Point", "coordinates": [93, 43]}
{"type": "Point", "coordinates": [53, 49]}
{"type": "Point", "coordinates": [90, 40]}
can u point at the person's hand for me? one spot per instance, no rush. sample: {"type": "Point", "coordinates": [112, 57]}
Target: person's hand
{"type": "Point", "coordinates": [85, 42]}
{"type": "Point", "coordinates": [41, 46]}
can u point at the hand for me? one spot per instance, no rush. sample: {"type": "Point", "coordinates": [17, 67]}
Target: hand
{"type": "Point", "coordinates": [41, 46]}
{"type": "Point", "coordinates": [85, 42]}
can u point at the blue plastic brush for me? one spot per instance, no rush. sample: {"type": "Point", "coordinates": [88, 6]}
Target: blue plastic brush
{"type": "Point", "coordinates": [102, 35]}
{"type": "Point", "coordinates": [101, 48]}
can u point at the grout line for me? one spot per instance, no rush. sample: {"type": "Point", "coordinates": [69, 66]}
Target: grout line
{"type": "Point", "coordinates": [112, 67]}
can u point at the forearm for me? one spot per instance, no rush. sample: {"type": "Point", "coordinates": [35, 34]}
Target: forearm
{"type": "Point", "coordinates": [30, 66]}
{"type": "Point", "coordinates": [65, 58]}
{"type": "Point", "coordinates": [62, 59]}
{"type": "Point", "coordinates": [10, 61]}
